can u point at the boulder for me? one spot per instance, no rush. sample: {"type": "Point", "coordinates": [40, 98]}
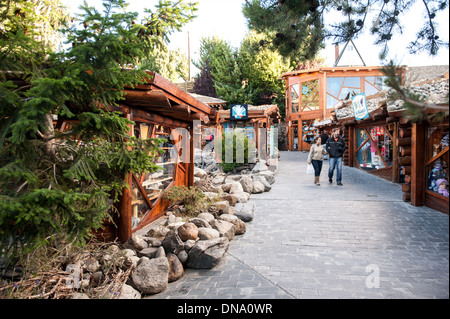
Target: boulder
{"type": "Point", "coordinates": [221, 207]}
{"type": "Point", "coordinates": [247, 184]}
{"type": "Point", "coordinates": [148, 252]}
{"type": "Point", "coordinates": [188, 231]}
{"type": "Point", "coordinates": [242, 197]}
{"type": "Point", "coordinates": [158, 232]}
{"type": "Point", "coordinates": [182, 256]}
{"type": "Point", "coordinates": [151, 276]}
{"type": "Point", "coordinates": [260, 167]}
{"type": "Point", "coordinates": [207, 233]}
{"type": "Point", "coordinates": [206, 216]}
{"type": "Point", "coordinates": [128, 292]}
{"type": "Point", "coordinates": [207, 253]}
{"type": "Point", "coordinates": [91, 265]}
{"type": "Point", "coordinates": [262, 180]}
{"type": "Point", "coordinates": [136, 242]}
{"type": "Point", "coordinates": [236, 187]}
{"type": "Point", "coordinates": [199, 222]}
{"type": "Point", "coordinates": [198, 172]}
{"type": "Point", "coordinates": [244, 211]}
{"type": "Point", "coordinates": [231, 198]}
{"type": "Point", "coordinates": [176, 269]}
{"type": "Point", "coordinates": [258, 188]}
{"type": "Point", "coordinates": [268, 175]}
{"type": "Point", "coordinates": [240, 227]}
{"type": "Point", "coordinates": [224, 228]}
{"type": "Point", "coordinates": [173, 243]}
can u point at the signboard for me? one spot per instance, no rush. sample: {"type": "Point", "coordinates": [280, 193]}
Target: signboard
{"type": "Point", "coordinates": [360, 109]}
{"type": "Point", "coordinates": [239, 112]}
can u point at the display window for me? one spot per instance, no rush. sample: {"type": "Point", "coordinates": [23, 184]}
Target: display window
{"type": "Point", "coordinates": [310, 96]}
{"type": "Point", "coordinates": [295, 98]}
{"type": "Point", "coordinates": [437, 159]}
{"type": "Point", "coordinates": [375, 147]}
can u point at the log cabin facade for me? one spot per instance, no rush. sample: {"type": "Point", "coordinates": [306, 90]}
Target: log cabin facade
{"type": "Point", "coordinates": [389, 145]}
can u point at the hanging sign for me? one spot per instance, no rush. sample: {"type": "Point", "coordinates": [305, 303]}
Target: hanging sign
{"type": "Point", "coordinates": [239, 112]}
{"type": "Point", "coordinates": [360, 109]}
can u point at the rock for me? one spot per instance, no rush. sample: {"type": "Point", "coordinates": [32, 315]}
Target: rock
{"type": "Point", "coordinates": [175, 226]}
{"type": "Point", "coordinates": [226, 187]}
{"type": "Point", "coordinates": [198, 172]}
{"type": "Point", "coordinates": [224, 228]}
{"type": "Point", "coordinates": [258, 188]}
{"type": "Point", "coordinates": [206, 216]}
{"type": "Point", "coordinates": [148, 252]}
{"type": "Point", "coordinates": [260, 167]}
{"type": "Point", "coordinates": [207, 233]}
{"type": "Point", "coordinates": [154, 242]}
{"type": "Point", "coordinates": [222, 207]}
{"type": "Point", "coordinates": [158, 232]}
{"type": "Point", "coordinates": [128, 252]}
{"type": "Point", "coordinates": [236, 188]}
{"type": "Point", "coordinates": [199, 222]}
{"type": "Point", "coordinates": [231, 198]}
{"type": "Point", "coordinates": [137, 242]}
{"type": "Point", "coordinates": [188, 231]}
{"type": "Point", "coordinates": [183, 256]}
{"type": "Point", "coordinates": [244, 211]}
{"type": "Point", "coordinates": [78, 295]}
{"type": "Point", "coordinates": [96, 277]}
{"type": "Point", "coordinates": [262, 180]}
{"type": "Point", "coordinates": [240, 227]}
{"type": "Point", "coordinates": [151, 276]}
{"type": "Point", "coordinates": [160, 252]}
{"type": "Point", "coordinates": [268, 175]}
{"type": "Point", "coordinates": [189, 244]}
{"type": "Point", "coordinates": [176, 269]}
{"type": "Point", "coordinates": [128, 292]}
{"type": "Point", "coordinates": [207, 253]}
{"type": "Point", "coordinates": [91, 265]}
{"type": "Point", "coordinates": [173, 243]}
{"type": "Point", "coordinates": [247, 184]}
{"type": "Point", "coordinates": [242, 197]}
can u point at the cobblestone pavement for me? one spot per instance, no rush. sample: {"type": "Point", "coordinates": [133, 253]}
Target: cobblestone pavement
{"type": "Point", "coordinates": [356, 241]}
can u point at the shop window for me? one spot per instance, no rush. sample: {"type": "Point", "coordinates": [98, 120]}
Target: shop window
{"type": "Point", "coordinates": [374, 84]}
{"type": "Point", "coordinates": [437, 156]}
{"type": "Point", "coordinates": [310, 95]}
{"type": "Point", "coordinates": [341, 88]}
{"type": "Point", "coordinates": [295, 95]}
{"type": "Point", "coordinates": [374, 147]}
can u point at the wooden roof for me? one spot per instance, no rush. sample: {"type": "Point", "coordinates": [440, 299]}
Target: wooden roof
{"type": "Point", "coordinates": [256, 112]}
{"type": "Point", "coordinates": [166, 99]}
{"type": "Point", "coordinates": [331, 70]}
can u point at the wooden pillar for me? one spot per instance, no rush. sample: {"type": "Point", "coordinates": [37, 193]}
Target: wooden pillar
{"type": "Point", "coordinates": [418, 164]}
{"type": "Point", "coordinates": [395, 152]}
{"type": "Point", "coordinates": [351, 145]}
{"type": "Point", "coordinates": [190, 165]}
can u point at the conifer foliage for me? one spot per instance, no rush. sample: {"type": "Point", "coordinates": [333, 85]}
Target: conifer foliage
{"type": "Point", "coordinates": [55, 182]}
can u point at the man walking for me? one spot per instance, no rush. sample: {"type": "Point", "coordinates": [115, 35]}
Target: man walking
{"type": "Point", "coordinates": [335, 147]}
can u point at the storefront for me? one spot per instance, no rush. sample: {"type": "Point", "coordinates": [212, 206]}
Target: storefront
{"type": "Point", "coordinates": [312, 95]}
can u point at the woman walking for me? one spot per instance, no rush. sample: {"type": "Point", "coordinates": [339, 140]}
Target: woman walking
{"type": "Point", "coordinates": [315, 158]}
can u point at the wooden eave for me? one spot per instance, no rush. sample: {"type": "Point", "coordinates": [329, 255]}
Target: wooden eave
{"type": "Point", "coordinates": [167, 99]}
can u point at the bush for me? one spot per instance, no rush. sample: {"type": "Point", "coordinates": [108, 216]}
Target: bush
{"type": "Point", "coordinates": [238, 139]}
{"type": "Point", "coordinates": [193, 198]}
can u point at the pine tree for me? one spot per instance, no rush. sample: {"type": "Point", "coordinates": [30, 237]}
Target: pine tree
{"type": "Point", "coordinates": [55, 183]}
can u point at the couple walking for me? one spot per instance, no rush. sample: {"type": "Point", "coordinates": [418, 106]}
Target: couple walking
{"type": "Point", "coordinates": [335, 148]}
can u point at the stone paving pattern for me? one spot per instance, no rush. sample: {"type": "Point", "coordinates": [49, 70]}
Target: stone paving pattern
{"type": "Point", "coordinates": [328, 242]}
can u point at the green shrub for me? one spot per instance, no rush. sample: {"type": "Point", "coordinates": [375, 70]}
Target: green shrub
{"type": "Point", "coordinates": [193, 198]}
{"type": "Point", "coordinates": [238, 139]}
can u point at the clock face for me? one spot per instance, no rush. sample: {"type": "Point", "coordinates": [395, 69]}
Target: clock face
{"type": "Point", "coordinates": [239, 112]}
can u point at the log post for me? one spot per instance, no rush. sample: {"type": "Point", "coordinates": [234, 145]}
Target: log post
{"type": "Point", "coordinates": [418, 165]}
{"type": "Point", "coordinates": [405, 160]}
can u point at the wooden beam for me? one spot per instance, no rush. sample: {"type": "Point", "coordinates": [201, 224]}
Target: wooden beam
{"type": "Point", "coordinates": [418, 165]}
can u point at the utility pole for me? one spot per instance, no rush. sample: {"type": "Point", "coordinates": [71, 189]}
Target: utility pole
{"type": "Point", "coordinates": [189, 57]}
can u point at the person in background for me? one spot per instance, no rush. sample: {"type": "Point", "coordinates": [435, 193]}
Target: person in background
{"type": "Point", "coordinates": [335, 147]}
{"type": "Point", "coordinates": [324, 138]}
{"type": "Point", "coordinates": [315, 158]}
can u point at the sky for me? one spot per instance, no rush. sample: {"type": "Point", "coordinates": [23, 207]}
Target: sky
{"type": "Point", "coordinates": [224, 19]}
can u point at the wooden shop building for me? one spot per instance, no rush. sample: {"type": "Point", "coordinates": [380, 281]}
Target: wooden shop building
{"type": "Point", "coordinates": [389, 145]}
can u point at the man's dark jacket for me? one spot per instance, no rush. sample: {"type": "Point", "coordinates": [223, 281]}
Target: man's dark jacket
{"type": "Point", "coordinates": [335, 148]}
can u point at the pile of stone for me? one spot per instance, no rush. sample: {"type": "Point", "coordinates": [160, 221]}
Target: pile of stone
{"type": "Point", "coordinates": [161, 254]}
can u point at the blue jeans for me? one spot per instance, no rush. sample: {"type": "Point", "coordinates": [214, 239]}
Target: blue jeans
{"type": "Point", "coordinates": [335, 163]}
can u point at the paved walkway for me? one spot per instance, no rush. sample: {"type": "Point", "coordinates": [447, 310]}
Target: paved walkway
{"type": "Point", "coordinates": [356, 241]}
